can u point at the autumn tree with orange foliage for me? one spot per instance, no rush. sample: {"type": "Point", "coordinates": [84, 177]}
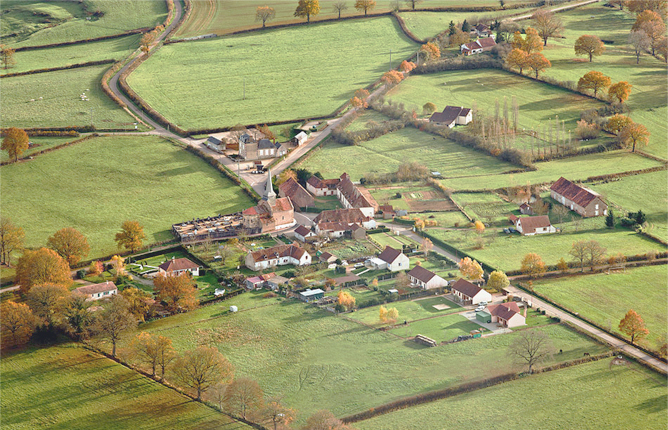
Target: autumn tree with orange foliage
{"type": "Point", "coordinates": [533, 265]}
{"type": "Point", "coordinates": [517, 59]}
{"type": "Point", "coordinates": [43, 266]}
{"type": "Point", "coordinates": [459, 38]}
{"type": "Point", "coordinates": [593, 81]}
{"type": "Point", "coordinates": [620, 91]}
{"type": "Point", "coordinates": [470, 269]}
{"type": "Point", "coordinates": [276, 414]}
{"type": "Point", "coordinates": [617, 122]}
{"type": "Point", "coordinates": [131, 236]}
{"type": "Point", "coordinates": [17, 324]}
{"type": "Point", "coordinates": [48, 303]}
{"type": "Point", "coordinates": [530, 43]}
{"type": "Point", "coordinates": [633, 326]}
{"type": "Point", "coordinates": [407, 66]}
{"type": "Point", "coordinates": [179, 292]}
{"type": "Point", "coordinates": [242, 397]}
{"type": "Point", "coordinates": [638, 6]}
{"type": "Point", "coordinates": [359, 100]}
{"type": "Point", "coordinates": [538, 63]}
{"type": "Point", "coordinates": [589, 45]}
{"type": "Point", "coordinates": [365, 5]}
{"type": "Point", "coordinates": [15, 142]}
{"type": "Point", "coordinates": [431, 50]}
{"type": "Point", "coordinates": [70, 244]}
{"type": "Point", "coordinates": [634, 134]}
{"type": "Point", "coordinates": [264, 14]}
{"type": "Point", "coordinates": [392, 77]}
{"type": "Point", "coordinates": [346, 300]}
{"type": "Point", "coordinates": [11, 239]}
{"type": "Point", "coordinates": [150, 349]}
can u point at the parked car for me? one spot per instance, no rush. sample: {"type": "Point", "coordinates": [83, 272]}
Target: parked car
{"type": "Point", "coordinates": [256, 172]}
{"type": "Point", "coordinates": [482, 304]}
{"type": "Point", "coordinates": [359, 264]}
{"type": "Point", "coordinates": [480, 309]}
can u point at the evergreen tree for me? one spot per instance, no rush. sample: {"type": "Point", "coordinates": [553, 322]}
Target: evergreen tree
{"type": "Point", "coordinates": [466, 27]}
{"type": "Point", "coordinates": [453, 28]}
{"type": "Point", "coordinates": [610, 219]}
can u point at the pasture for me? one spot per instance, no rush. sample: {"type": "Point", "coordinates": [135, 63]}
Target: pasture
{"type": "Point", "coordinates": [386, 153]}
{"type": "Point", "coordinates": [506, 251]}
{"type": "Point", "coordinates": [573, 168]}
{"type": "Point", "coordinates": [582, 396]}
{"type": "Point", "coordinates": [344, 366]}
{"type": "Point", "coordinates": [412, 310]}
{"type": "Point", "coordinates": [40, 144]}
{"type": "Point", "coordinates": [649, 78]}
{"type": "Point", "coordinates": [32, 21]}
{"type": "Point", "coordinates": [69, 387]}
{"type": "Point", "coordinates": [141, 178]}
{"type": "Point", "coordinates": [623, 195]}
{"type": "Point", "coordinates": [61, 104]}
{"type": "Point", "coordinates": [183, 80]}
{"type": "Point", "coordinates": [605, 299]}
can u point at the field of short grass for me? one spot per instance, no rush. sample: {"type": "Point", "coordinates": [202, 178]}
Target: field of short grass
{"type": "Point", "coordinates": [313, 84]}
{"type": "Point", "coordinates": [67, 386]}
{"type": "Point", "coordinates": [345, 366]}
{"type": "Point", "coordinates": [605, 299]}
{"type": "Point", "coordinates": [30, 20]}
{"type": "Point", "coordinates": [444, 219]}
{"type": "Point", "coordinates": [408, 310]}
{"type": "Point", "coordinates": [64, 56]}
{"type": "Point", "coordinates": [389, 239]}
{"type": "Point", "coordinates": [487, 207]}
{"type": "Point", "coordinates": [587, 395]}
{"type": "Point", "coordinates": [95, 185]}
{"type": "Point", "coordinates": [648, 98]}
{"type": "Point", "coordinates": [61, 105]}
{"type": "Point", "coordinates": [623, 195]}
{"type": "Point", "coordinates": [574, 168]}
{"type": "Point", "coordinates": [441, 329]}
{"type": "Point", "coordinates": [386, 153]}
{"type": "Point", "coordinates": [505, 251]}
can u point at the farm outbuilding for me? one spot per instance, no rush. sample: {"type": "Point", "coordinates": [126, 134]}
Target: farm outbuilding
{"type": "Point", "coordinates": [483, 317]}
{"type": "Point", "coordinates": [311, 295]}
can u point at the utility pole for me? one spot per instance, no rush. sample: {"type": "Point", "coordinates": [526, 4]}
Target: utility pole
{"type": "Point", "coordinates": [91, 116]}
{"type": "Point", "coordinates": [390, 59]}
{"type": "Point", "coordinates": [244, 98]}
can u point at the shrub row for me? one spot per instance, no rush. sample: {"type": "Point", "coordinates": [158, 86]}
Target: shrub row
{"type": "Point", "coordinates": [33, 132]}
{"type": "Point", "coordinates": [53, 148]}
{"type": "Point", "coordinates": [77, 42]}
{"type": "Point", "coordinates": [352, 138]}
{"type": "Point", "coordinates": [105, 84]}
{"type": "Point", "coordinates": [459, 63]}
{"type": "Point", "coordinates": [55, 69]}
{"type": "Point", "coordinates": [407, 32]}
{"type": "Point", "coordinates": [624, 174]}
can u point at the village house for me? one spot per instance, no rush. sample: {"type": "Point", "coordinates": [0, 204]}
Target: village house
{"type": "Point", "coordinates": [327, 257]}
{"type": "Point", "coordinates": [481, 30]}
{"type": "Point", "coordinates": [390, 259]}
{"type": "Point", "coordinates": [321, 187]}
{"type": "Point", "coordinates": [352, 196]}
{"type": "Point", "coordinates": [451, 116]}
{"type": "Point", "coordinates": [276, 282]}
{"type": "Point", "coordinates": [582, 200]}
{"type": "Point", "coordinates": [507, 314]}
{"type": "Point", "coordinates": [525, 209]}
{"type": "Point", "coordinates": [387, 211]}
{"type": "Point", "coordinates": [335, 230]}
{"type": "Point", "coordinates": [299, 197]}
{"type": "Point", "coordinates": [344, 216]}
{"type": "Point", "coordinates": [97, 291]}
{"type": "Point", "coordinates": [279, 255]}
{"type": "Point", "coordinates": [271, 214]}
{"type": "Point", "coordinates": [257, 282]}
{"type": "Point", "coordinates": [176, 266]}
{"type": "Point", "coordinates": [470, 294]}
{"type": "Point", "coordinates": [480, 45]}
{"type": "Point", "coordinates": [251, 148]}
{"type": "Point", "coordinates": [425, 279]}
{"type": "Point", "coordinates": [532, 225]}
{"type": "Point", "coordinates": [305, 234]}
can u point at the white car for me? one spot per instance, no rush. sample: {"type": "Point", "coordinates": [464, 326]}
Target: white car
{"type": "Point", "coordinates": [480, 309]}
{"type": "Point", "coordinates": [483, 304]}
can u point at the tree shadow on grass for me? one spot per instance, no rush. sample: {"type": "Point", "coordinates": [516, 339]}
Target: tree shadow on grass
{"type": "Point", "coordinates": [655, 405]}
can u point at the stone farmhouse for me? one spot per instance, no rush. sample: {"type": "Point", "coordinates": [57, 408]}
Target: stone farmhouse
{"type": "Point", "coordinates": [582, 200]}
{"type": "Point", "coordinates": [425, 279]}
{"type": "Point", "coordinates": [470, 294]}
{"type": "Point", "coordinates": [349, 194]}
{"type": "Point", "coordinates": [507, 314]}
{"type": "Point", "coordinates": [480, 45]}
{"type": "Point", "coordinates": [97, 291]}
{"type": "Point", "coordinates": [251, 148]}
{"type": "Point", "coordinates": [299, 197]}
{"type": "Point", "coordinates": [451, 116]}
{"type": "Point", "coordinates": [270, 214]}
{"type": "Point", "coordinates": [390, 259]}
{"type": "Point", "coordinates": [175, 267]}
{"type": "Point", "coordinates": [525, 209]}
{"type": "Point", "coordinates": [481, 30]}
{"type": "Point", "coordinates": [532, 225]}
{"type": "Point", "coordinates": [279, 255]}
{"type": "Point", "coordinates": [321, 187]}
{"type": "Point", "coordinates": [340, 218]}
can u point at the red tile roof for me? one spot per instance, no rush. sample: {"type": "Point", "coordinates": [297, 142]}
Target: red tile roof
{"type": "Point", "coordinates": [504, 310]}
{"type": "Point", "coordinates": [349, 216]}
{"type": "Point", "coordinates": [389, 254]}
{"type": "Point", "coordinates": [466, 288]}
{"type": "Point", "coordinates": [329, 184]}
{"type": "Point", "coordinates": [579, 195]}
{"type": "Point", "coordinates": [357, 197]}
{"type": "Point", "coordinates": [302, 231]}
{"type": "Point", "coordinates": [96, 288]}
{"type": "Point", "coordinates": [421, 274]}
{"type": "Point", "coordinates": [277, 252]}
{"type": "Point", "coordinates": [293, 190]}
{"type": "Point", "coordinates": [449, 114]}
{"type": "Point", "coordinates": [483, 43]}
{"type": "Point", "coordinates": [178, 264]}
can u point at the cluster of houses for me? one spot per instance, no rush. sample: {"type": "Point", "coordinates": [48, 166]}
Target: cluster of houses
{"type": "Point", "coordinates": [485, 40]}
{"type": "Point", "coordinates": [253, 145]}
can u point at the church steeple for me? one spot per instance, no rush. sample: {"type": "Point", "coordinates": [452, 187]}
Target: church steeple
{"type": "Point", "coordinates": [269, 194]}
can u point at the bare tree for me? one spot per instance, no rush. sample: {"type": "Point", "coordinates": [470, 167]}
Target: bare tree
{"type": "Point", "coordinates": [530, 348]}
{"type": "Point", "coordinates": [340, 7]}
{"type": "Point", "coordinates": [595, 253]}
{"type": "Point", "coordinates": [264, 14]}
{"type": "Point", "coordinates": [560, 211]}
{"type": "Point", "coordinates": [115, 320]}
{"type": "Point", "coordinates": [547, 24]}
{"type": "Point", "coordinates": [640, 42]}
{"type": "Point", "coordinates": [243, 397]}
{"type": "Point", "coordinates": [201, 368]}
{"type": "Point", "coordinates": [413, 3]}
{"type": "Point", "coordinates": [579, 252]}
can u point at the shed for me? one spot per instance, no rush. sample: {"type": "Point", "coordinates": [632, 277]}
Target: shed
{"type": "Point", "coordinates": [233, 309]}
{"type": "Point", "coordinates": [311, 295]}
{"type": "Point", "coordinates": [483, 317]}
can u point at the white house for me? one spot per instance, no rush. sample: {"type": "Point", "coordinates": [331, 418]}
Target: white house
{"type": "Point", "coordinates": [352, 196]}
{"type": "Point", "coordinates": [97, 291]}
{"type": "Point", "coordinates": [480, 45]}
{"type": "Point", "coordinates": [507, 314]}
{"type": "Point", "coordinates": [175, 267]}
{"type": "Point", "coordinates": [304, 234]}
{"type": "Point", "coordinates": [321, 187]}
{"type": "Point", "coordinates": [470, 294]}
{"type": "Point", "coordinates": [532, 225]}
{"type": "Point", "coordinates": [425, 279]}
{"type": "Point", "coordinates": [277, 256]}
{"type": "Point", "coordinates": [394, 259]}
{"type": "Point", "coordinates": [451, 116]}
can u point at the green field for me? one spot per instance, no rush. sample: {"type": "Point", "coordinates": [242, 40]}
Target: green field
{"type": "Point", "coordinates": [573, 168]}
{"type": "Point", "coordinates": [505, 251]}
{"type": "Point", "coordinates": [350, 367]}
{"type": "Point", "coordinates": [365, 117]}
{"type": "Point", "coordinates": [69, 387]}
{"type": "Point", "coordinates": [485, 206]}
{"type": "Point", "coordinates": [95, 185]}
{"type": "Point", "coordinates": [31, 20]}
{"type": "Point", "coordinates": [183, 80]}
{"type": "Point", "coordinates": [623, 195]}
{"type": "Point", "coordinates": [441, 329]}
{"type": "Point", "coordinates": [649, 78]}
{"type": "Point", "coordinates": [61, 105]}
{"type": "Point", "coordinates": [41, 143]}
{"type": "Point", "coordinates": [408, 310]}
{"type": "Point", "coordinates": [591, 395]}
{"type": "Point", "coordinates": [605, 299]}
{"type": "Point", "coordinates": [115, 49]}
{"type": "Point", "coordinates": [386, 153]}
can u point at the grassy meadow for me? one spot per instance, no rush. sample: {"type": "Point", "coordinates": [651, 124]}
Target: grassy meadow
{"type": "Point", "coordinates": [68, 387]}
{"type": "Point", "coordinates": [30, 20]}
{"type": "Point", "coordinates": [649, 78]}
{"type": "Point", "coordinates": [386, 153]}
{"type": "Point", "coordinates": [61, 104]}
{"type": "Point", "coordinates": [185, 79]}
{"type": "Point", "coordinates": [591, 395]}
{"type": "Point", "coordinates": [96, 185]}
{"type": "Point", "coordinates": [605, 299]}
{"type": "Point", "coordinates": [345, 367]}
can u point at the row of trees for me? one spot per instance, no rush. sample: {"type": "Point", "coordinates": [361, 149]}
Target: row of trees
{"type": "Point", "coordinates": [526, 52]}
{"type": "Point", "coordinates": [308, 8]}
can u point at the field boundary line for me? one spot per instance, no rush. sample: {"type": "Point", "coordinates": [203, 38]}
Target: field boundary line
{"type": "Point", "coordinates": [55, 69]}
{"type": "Point", "coordinates": [82, 41]}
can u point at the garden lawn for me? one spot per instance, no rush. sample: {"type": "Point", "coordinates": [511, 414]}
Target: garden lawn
{"type": "Point", "coordinates": [573, 168]}
{"type": "Point", "coordinates": [441, 329]}
{"type": "Point", "coordinates": [345, 366]}
{"type": "Point", "coordinates": [649, 78]}
{"type": "Point", "coordinates": [61, 104]}
{"type": "Point", "coordinates": [182, 80]}
{"type": "Point", "coordinates": [385, 239]}
{"type": "Point", "coordinates": [538, 102]}
{"type": "Point", "coordinates": [114, 49]}
{"type": "Point", "coordinates": [96, 185]}
{"type": "Point", "coordinates": [69, 387]}
{"type": "Point", "coordinates": [386, 153]}
{"type": "Point", "coordinates": [488, 207]}
{"type": "Point", "coordinates": [445, 219]}
{"type": "Point", "coordinates": [119, 16]}
{"type": "Point", "coordinates": [624, 196]}
{"type": "Point", "coordinates": [605, 299]}
{"type": "Point", "coordinates": [408, 310]}
{"type": "Point", "coordinates": [506, 251]}
{"type": "Point", "coordinates": [590, 395]}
